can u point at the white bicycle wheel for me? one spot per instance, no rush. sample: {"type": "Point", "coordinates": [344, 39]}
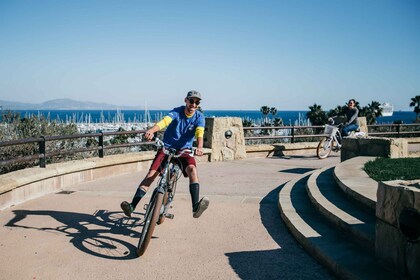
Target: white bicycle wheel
{"type": "Point", "coordinates": [324, 147]}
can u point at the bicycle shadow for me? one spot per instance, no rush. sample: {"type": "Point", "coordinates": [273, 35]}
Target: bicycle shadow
{"type": "Point", "coordinates": [290, 261]}
{"type": "Point", "coordinates": [98, 234]}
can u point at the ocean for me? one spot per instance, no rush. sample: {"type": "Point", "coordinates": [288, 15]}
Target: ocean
{"type": "Point", "coordinates": [130, 116]}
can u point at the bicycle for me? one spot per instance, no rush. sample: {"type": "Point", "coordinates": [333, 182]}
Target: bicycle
{"type": "Point", "coordinates": [162, 196]}
{"type": "Point", "coordinates": [331, 142]}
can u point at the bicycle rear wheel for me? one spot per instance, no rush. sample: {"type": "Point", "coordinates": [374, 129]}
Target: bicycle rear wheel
{"type": "Point", "coordinates": [324, 147]}
{"type": "Point", "coordinates": [151, 218]}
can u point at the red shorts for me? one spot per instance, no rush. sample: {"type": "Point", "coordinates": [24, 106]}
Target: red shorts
{"type": "Point", "coordinates": [183, 161]}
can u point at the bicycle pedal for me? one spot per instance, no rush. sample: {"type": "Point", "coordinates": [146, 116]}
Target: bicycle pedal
{"type": "Point", "coordinates": [169, 216]}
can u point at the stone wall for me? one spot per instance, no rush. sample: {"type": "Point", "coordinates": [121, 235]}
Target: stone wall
{"type": "Point", "coordinates": [259, 150]}
{"type": "Point", "coordinates": [374, 146]}
{"type": "Point", "coordinates": [300, 148]}
{"type": "Point", "coordinates": [225, 138]}
{"type": "Point", "coordinates": [29, 183]}
{"type": "Point", "coordinates": [398, 226]}
{"type": "Point", "coordinates": [363, 125]}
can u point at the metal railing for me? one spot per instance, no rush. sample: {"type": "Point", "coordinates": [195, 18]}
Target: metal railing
{"type": "Point", "coordinates": [43, 154]}
{"type": "Point", "coordinates": [397, 129]}
{"type": "Point", "coordinates": [293, 134]}
{"type": "Point", "coordinates": [394, 130]}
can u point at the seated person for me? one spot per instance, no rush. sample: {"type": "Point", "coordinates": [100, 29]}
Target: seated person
{"type": "Point", "coordinates": [352, 123]}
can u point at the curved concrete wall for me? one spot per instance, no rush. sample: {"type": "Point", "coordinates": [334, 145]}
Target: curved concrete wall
{"type": "Point", "coordinates": [19, 186]}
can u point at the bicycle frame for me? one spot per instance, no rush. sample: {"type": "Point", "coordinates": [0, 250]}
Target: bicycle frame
{"type": "Point", "coordinates": [164, 179]}
{"type": "Point", "coordinates": [333, 132]}
{"type": "Point", "coordinates": [166, 186]}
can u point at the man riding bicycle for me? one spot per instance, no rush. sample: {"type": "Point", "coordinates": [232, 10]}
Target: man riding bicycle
{"type": "Point", "coordinates": [183, 124]}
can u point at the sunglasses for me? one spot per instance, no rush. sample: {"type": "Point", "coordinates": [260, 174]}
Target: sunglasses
{"type": "Point", "coordinates": [194, 102]}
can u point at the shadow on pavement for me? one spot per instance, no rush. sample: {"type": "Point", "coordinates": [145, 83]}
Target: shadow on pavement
{"type": "Point", "coordinates": [290, 261]}
{"type": "Point", "coordinates": [92, 234]}
{"type": "Point", "coordinates": [300, 170]}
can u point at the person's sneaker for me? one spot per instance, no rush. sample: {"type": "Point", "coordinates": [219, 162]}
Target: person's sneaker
{"type": "Point", "coordinates": [202, 206]}
{"type": "Point", "coordinates": [127, 208]}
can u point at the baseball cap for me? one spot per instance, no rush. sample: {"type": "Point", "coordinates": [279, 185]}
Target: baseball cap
{"type": "Point", "coordinates": [193, 94]}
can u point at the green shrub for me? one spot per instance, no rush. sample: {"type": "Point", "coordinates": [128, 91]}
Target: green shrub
{"type": "Point", "coordinates": [387, 169]}
{"type": "Point", "coordinates": [14, 127]}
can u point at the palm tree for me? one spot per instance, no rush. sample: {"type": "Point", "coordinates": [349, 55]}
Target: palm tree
{"type": "Point", "coordinates": [371, 112]}
{"type": "Point", "coordinates": [246, 123]}
{"type": "Point", "coordinates": [273, 111]}
{"type": "Point", "coordinates": [415, 102]}
{"type": "Point", "coordinates": [278, 122]}
{"type": "Point", "coordinates": [265, 110]}
{"type": "Point", "coordinates": [337, 111]}
{"type": "Point", "coordinates": [316, 115]}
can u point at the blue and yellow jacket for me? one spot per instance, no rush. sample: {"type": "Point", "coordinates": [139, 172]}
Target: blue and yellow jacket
{"type": "Point", "coordinates": [181, 128]}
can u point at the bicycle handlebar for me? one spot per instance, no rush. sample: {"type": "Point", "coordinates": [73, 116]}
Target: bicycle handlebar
{"type": "Point", "coordinates": [335, 125]}
{"type": "Point", "coordinates": [159, 143]}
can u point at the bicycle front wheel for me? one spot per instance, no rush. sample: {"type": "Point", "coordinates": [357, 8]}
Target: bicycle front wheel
{"type": "Point", "coordinates": [161, 218]}
{"type": "Point", "coordinates": [151, 218]}
{"type": "Point", "coordinates": [324, 147]}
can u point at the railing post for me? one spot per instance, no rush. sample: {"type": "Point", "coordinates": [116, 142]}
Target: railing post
{"type": "Point", "coordinates": [101, 145]}
{"type": "Point", "coordinates": [398, 130]}
{"type": "Point", "coordinates": [42, 145]}
{"type": "Point", "coordinates": [293, 133]}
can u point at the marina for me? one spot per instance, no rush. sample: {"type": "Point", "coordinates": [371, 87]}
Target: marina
{"type": "Point", "coordinates": [112, 120]}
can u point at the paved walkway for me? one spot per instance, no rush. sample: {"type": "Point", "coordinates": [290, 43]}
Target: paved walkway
{"type": "Point", "coordinates": [82, 234]}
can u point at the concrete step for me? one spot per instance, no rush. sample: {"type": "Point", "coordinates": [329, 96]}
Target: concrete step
{"type": "Point", "coordinates": [336, 207]}
{"type": "Point", "coordinates": [329, 245]}
{"type": "Point", "coordinates": [354, 181]}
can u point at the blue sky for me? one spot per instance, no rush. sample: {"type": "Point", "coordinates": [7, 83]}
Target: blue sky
{"type": "Point", "coordinates": [238, 54]}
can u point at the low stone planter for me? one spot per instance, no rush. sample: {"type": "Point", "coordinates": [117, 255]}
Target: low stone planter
{"type": "Point", "coordinates": [374, 146]}
{"type": "Point", "coordinates": [398, 226]}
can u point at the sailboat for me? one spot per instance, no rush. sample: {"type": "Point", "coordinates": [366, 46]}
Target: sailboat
{"type": "Point", "coordinates": [147, 118]}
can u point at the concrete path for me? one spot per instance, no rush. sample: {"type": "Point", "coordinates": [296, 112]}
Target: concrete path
{"type": "Point", "coordinates": [82, 234]}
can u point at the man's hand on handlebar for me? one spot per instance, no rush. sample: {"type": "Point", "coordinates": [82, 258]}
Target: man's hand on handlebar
{"type": "Point", "coordinates": [149, 135]}
{"type": "Point", "coordinates": [199, 152]}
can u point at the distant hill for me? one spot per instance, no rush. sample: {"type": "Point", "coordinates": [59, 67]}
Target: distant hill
{"type": "Point", "coordinates": [64, 104]}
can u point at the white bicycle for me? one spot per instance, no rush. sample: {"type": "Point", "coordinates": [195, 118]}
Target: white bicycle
{"type": "Point", "coordinates": [331, 142]}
